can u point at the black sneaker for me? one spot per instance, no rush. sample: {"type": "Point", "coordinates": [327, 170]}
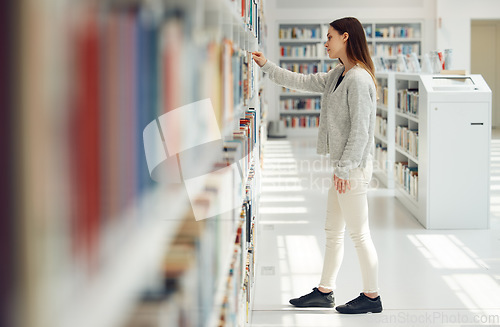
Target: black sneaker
{"type": "Point", "coordinates": [361, 304]}
{"type": "Point", "coordinates": [315, 299]}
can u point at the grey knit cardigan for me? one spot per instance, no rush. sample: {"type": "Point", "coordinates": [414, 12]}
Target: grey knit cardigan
{"type": "Point", "coordinates": [347, 116]}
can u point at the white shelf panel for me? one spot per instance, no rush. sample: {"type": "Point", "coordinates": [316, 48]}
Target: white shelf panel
{"type": "Point", "coordinates": [294, 131]}
{"type": "Point", "coordinates": [407, 76]}
{"type": "Point", "coordinates": [381, 138]}
{"type": "Point", "coordinates": [382, 107]}
{"type": "Point", "coordinates": [406, 153]}
{"type": "Point", "coordinates": [383, 75]}
{"type": "Point", "coordinates": [410, 201]}
{"type": "Point", "coordinates": [382, 176]}
{"type": "Point", "coordinates": [407, 116]}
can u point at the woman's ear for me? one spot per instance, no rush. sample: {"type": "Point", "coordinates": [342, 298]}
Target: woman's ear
{"type": "Point", "coordinates": [345, 36]}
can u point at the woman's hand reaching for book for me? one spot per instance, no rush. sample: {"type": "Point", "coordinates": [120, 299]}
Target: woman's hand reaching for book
{"type": "Point", "coordinates": [259, 58]}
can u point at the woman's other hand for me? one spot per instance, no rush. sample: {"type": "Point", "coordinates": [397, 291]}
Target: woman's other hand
{"type": "Point", "coordinates": [259, 58]}
{"type": "Point", "coordinates": [341, 185]}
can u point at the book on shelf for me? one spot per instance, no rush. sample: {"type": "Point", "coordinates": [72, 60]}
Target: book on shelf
{"type": "Point", "coordinates": [407, 139]}
{"type": "Point", "coordinates": [383, 96]}
{"type": "Point", "coordinates": [395, 32]}
{"type": "Point", "coordinates": [407, 177]}
{"type": "Point", "coordinates": [85, 138]}
{"type": "Point", "coordinates": [412, 145]}
{"type": "Point", "coordinates": [228, 65]}
{"type": "Point", "coordinates": [407, 101]}
{"type": "Point", "coordinates": [251, 12]}
{"type": "Point", "coordinates": [368, 30]}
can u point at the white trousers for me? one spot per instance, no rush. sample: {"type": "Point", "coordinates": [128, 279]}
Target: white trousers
{"type": "Point", "coordinates": [350, 210]}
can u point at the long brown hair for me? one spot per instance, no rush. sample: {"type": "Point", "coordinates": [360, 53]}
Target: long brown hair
{"type": "Point", "coordinates": [357, 48]}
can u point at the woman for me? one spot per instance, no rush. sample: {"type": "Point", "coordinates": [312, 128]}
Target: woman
{"type": "Point", "coordinates": [346, 128]}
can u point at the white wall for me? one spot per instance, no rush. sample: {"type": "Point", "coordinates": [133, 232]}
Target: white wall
{"type": "Point", "coordinates": [455, 29]}
{"type": "Point", "coordinates": [325, 11]}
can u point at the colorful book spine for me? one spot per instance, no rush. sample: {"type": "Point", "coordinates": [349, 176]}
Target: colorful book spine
{"type": "Point", "coordinates": [9, 176]}
{"type": "Point", "coordinates": [407, 139]}
{"type": "Point", "coordinates": [309, 121]}
{"type": "Point", "coordinates": [86, 146]}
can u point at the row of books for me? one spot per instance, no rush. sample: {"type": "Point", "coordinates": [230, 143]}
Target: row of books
{"type": "Point", "coordinates": [383, 95]}
{"type": "Point", "coordinates": [241, 68]}
{"type": "Point", "coordinates": [407, 139]}
{"type": "Point", "coordinates": [249, 272]}
{"type": "Point", "coordinates": [114, 101]}
{"type": "Point", "coordinates": [329, 65]}
{"type": "Point", "coordinates": [382, 64]}
{"type": "Point", "coordinates": [195, 267]}
{"type": "Point", "coordinates": [301, 103]}
{"type": "Point", "coordinates": [302, 51]}
{"type": "Point", "coordinates": [300, 33]}
{"type": "Point", "coordinates": [407, 101]}
{"type": "Point", "coordinates": [301, 121]}
{"type": "Point", "coordinates": [381, 126]}
{"type": "Point", "coordinates": [407, 177]}
{"type": "Point", "coordinates": [304, 68]}
{"type": "Point", "coordinates": [397, 32]}
{"type": "Point", "coordinates": [234, 309]}
{"type": "Point", "coordinates": [251, 12]}
{"type": "Point", "coordinates": [391, 50]}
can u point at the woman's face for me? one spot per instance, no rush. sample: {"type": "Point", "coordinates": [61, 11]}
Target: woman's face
{"type": "Point", "coordinates": [336, 43]}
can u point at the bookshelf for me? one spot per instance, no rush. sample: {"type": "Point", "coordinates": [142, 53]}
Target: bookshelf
{"type": "Point", "coordinates": [388, 39]}
{"type": "Point", "coordinates": [434, 120]}
{"type": "Point", "coordinates": [111, 221]}
{"type": "Point", "coordinates": [407, 124]}
{"type": "Point", "coordinates": [384, 130]}
{"type": "Point", "coordinates": [302, 50]}
{"type": "Point", "coordinates": [301, 47]}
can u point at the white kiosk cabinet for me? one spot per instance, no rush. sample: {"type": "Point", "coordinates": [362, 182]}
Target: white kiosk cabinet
{"type": "Point", "coordinates": [454, 142]}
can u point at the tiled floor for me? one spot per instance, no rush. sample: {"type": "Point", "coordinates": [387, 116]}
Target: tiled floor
{"type": "Point", "coordinates": [427, 278]}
